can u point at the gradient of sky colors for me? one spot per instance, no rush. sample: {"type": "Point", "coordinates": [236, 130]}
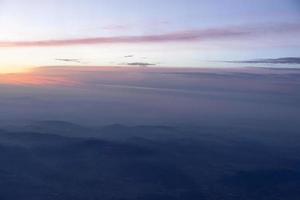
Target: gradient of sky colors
{"type": "Point", "coordinates": [173, 33]}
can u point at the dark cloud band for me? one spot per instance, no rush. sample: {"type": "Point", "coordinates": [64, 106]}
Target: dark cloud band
{"type": "Point", "coordinates": [143, 64]}
{"type": "Point", "coordinates": [284, 60]}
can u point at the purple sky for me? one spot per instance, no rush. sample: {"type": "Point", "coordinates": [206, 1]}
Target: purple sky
{"type": "Point", "coordinates": [171, 33]}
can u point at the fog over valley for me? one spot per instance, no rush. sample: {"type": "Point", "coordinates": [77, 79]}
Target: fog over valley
{"type": "Point", "coordinates": [151, 96]}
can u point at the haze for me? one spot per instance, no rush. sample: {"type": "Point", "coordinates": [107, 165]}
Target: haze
{"type": "Point", "coordinates": [149, 100]}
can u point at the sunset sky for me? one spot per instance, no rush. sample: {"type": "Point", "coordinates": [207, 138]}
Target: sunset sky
{"type": "Point", "coordinates": [169, 33]}
{"type": "Point", "coordinates": [150, 99]}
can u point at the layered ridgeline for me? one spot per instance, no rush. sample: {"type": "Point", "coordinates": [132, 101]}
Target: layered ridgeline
{"type": "Point", "coordinates": [61, 160]}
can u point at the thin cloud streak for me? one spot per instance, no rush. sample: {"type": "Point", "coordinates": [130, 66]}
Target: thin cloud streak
{"type": "Point", "coordinates": [68, 60]}
{"type": "Point", "coordinates": [182, 36]}
{"type": "Point", "coordinates": [129, 56]}
{"type": "Point", "coordinates": [284, 60]}
{"type": "Point", "coordinates": [142, 64]}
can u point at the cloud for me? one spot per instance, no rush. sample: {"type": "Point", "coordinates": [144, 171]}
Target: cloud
{"type": "Point", "coordinates": [142, 64]}
{"type": "Point", "coordinates": [284, 60]}
{"type": "Point", "coordinates": [180, 36]}
{"type": "Point", "coordinates": [129, 56]}
{"type": "Point", "coordinates": [68, 60]}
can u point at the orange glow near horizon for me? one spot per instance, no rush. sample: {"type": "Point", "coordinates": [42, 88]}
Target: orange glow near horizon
{"type": "Point", "coordinates": [59, 75]}
{"type": "Point", "coordinates": [9, 69]}
{"type": "Point", "coordinates": [31, 79]}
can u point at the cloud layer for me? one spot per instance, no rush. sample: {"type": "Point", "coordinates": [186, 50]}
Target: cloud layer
{"type": "Point", "coordinates": [180, 36]}
{"type": "Point", "coordinates": [284, 60]}
{"type": "Point", "coordinates": [132, 95]}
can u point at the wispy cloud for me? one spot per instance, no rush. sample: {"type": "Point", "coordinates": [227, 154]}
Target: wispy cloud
{"type": "Point", "coordinates": [128, 56]}
{"type": "Point", "coordinates": [142, 64]}
{"type": "Point", "coordinates": [284, 60]}
{"type": "Point", "coordinates": [181, 36]}
{"type": "Point", "coordinates": [68, 60]}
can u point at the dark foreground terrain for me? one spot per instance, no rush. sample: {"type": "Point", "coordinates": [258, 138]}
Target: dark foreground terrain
{"type": "Point", "coordinates": [59, 160]}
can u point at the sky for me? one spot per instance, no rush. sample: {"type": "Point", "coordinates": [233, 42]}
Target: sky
{"type": "Point", "coordinates": [169, 33]}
